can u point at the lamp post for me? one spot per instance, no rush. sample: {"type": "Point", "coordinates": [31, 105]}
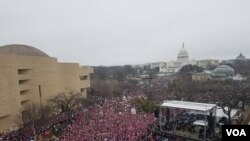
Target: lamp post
{"type": "Point", "coordinates": [112, 83]}
{"type": "Point", "coordinates": [40, 96]}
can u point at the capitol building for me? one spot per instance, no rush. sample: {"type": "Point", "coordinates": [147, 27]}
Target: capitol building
{"type": "Point", "coordinates": [175, 66]}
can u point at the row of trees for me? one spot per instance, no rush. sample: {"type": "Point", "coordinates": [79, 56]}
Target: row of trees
{"type": "Point", "coordinates": [111, 88]}
{"type": "Point", "coordinates": [241, 66]}
{"type": "Point", "coordinates": [118, 73]}
{"type": "Point", "coordinates": [190, 69]}
{"type": "Point", "coordinates": [230, 94]}
{"type": "Point", "coordinates": [64, 103]}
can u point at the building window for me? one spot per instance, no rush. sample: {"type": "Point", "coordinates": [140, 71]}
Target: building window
{"type": "Point", "coordinates": [23, 71]}
{"type": "Point", "coordinates": [85, 77]}
{"type": "Point", "coordinates": [24, 92]}
{"type": "Point", "coordinates": [23, 81]}
{"type": "Point", "coordinates": [23, 103]}
{"type": "Point", "coordinates": [4, 117]}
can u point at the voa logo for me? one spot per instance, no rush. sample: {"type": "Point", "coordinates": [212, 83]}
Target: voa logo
{"type": "Point", "coordinates": [236, 132]}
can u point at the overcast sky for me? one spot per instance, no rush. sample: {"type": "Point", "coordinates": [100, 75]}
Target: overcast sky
{"type": "Point", "coordinates": [118, 32]}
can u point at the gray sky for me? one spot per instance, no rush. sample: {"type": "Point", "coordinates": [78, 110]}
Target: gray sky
{"type": "Point", "coordinates": [118, 32]}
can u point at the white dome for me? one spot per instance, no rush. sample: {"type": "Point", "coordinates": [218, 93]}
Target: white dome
{"type": "Point", "coordinates": [182, 55]}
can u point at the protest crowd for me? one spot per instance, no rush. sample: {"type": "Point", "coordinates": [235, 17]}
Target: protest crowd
{"type": "Point", "coordinates": [107, 120]}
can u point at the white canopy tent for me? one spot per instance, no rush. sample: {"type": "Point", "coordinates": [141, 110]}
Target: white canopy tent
{"type": "Point", "coordinates": [188, 105]}
{"type": "Point", "coordinates": [203, 107]}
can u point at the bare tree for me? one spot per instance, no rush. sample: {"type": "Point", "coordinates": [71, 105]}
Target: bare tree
{"type": "Point", "coordinates": [46, 111]}
{"type": "Point", "coordinates": [31, 114]}
{"type": "Point", "coordinates": [234, 94]}
{"type": "Point", "coordinates": [104, 88]}
{"type": "Point", "coordinates": [244, 93]}
{"type": "Point", "coordinates": [229, 101]}
{"type": "Point", "coordinates": [66, 102]}
{"type": "Point", "coordinates": [91, 100]}
{"type": "Point", "coordinates": [110, 88]}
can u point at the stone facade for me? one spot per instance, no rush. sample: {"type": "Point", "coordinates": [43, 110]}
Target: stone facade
{"type": "Point", "coordinates": [27, 78]}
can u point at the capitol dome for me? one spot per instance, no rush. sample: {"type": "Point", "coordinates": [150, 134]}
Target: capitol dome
{"type": "Point", "coordinates": [183, 54]}
{"type": "Point", "coordinates": [21, 50]}
{"type": "Point", "coordinates": [224, 70]}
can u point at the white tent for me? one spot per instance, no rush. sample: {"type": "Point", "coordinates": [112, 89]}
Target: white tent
{"type": "Point", "coordinates": [203, 107]}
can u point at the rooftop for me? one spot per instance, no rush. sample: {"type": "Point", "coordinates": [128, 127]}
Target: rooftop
{"type": "Point", "coordinates": [188, 105]}
{"type": "Point", "coordinates": [21, 50]}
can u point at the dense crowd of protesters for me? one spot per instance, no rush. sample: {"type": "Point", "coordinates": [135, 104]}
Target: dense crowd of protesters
{"type": "Point", "coordinates": [109, 119]}
{"type": "Point", "coordinates": [112, 120]}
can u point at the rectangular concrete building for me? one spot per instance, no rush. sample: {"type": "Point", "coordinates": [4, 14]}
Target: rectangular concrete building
{"type": "Point", "coordinates": [28, 75]}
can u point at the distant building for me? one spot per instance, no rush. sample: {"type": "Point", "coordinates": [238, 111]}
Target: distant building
{"type": "Point", "coordinates": [175, 66]}
{"type": "Point", "coordinates": [155, 65]}
{"type": "Point", "coordinates": [201, 76]}
{"type": "Point", "coordinates": [240, 58]}
{"type": "Point", "coordinates": [238, 77]}
{"type": "Point", "coordinates": [207, 63]}
{"type": "Point", "coordinates": [28, 75]}
{"type": "Point", "coordinates": [169, 67]}
{"type": "Point", "coordinates": [145, 76]}
{"type": "Point", "coordinates": [222, 72]}
{"type": "Point", "coordinates": [182, 55]}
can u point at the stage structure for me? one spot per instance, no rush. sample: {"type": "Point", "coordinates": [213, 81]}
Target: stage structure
{"type": "Point", "coordinates": [205, 108]}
